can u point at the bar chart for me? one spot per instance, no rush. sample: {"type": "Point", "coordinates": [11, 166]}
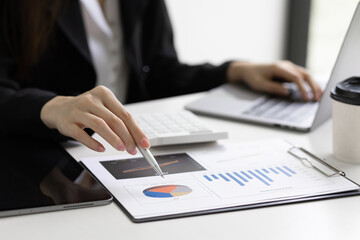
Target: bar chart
{"type": "Point", "coordinates": [242, 177]}
{"type": "Point", "coordinates": [245, 182]}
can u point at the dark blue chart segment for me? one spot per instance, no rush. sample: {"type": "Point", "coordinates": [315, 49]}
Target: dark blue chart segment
{"type": "Point", "coordinates": [266, 176]}
{"type": "Point", "coordinates": [158, 194]}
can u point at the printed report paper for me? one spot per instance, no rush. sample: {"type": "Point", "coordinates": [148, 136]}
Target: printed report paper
{"type": "Point", "coordinates": [209, 178]}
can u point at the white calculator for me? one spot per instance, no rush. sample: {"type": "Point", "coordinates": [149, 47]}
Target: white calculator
{"type": "Point", "coordinates": [176, 128]}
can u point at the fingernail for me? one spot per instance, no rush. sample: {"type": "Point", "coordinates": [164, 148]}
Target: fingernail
{"type": "Point", "coordinates": [132, 151]}
{"type": "Point", "coordinates": [121, 147]}
{"type": "Point", "coordinates": [145, 143]}
{"type": "Point", "coordinates": [101, 149]}
{"type": "Point", "coordinates": [318, 96]}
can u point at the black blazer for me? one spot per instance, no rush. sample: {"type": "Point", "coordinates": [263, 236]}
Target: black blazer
{"type": "Point", "coordinates": [66, 67]}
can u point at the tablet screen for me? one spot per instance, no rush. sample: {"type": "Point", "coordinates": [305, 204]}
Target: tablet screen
{"type": "Point", "coordinates": [39, 176]}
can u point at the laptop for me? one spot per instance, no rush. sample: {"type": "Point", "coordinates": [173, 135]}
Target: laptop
{"type": "Point", "coordinates": [236, 102]}
{"type": "Point", "coordinates": [40, 176]}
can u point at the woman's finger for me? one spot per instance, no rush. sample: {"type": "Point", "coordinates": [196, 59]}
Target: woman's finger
{"type": "Point", "coordinates": [117, 126]}
{"type": "Point", "coordinates": [285, 72]}
{"type": "Point", "coordinates": [315, 88]}
{"type": "Point", "coordinates": [98, 125]}
{"type": "Point", "coordinates": [81, 136]}
{"type": "Point", "coordinates": [111, 103]}
{"type": "Point", "coordinates": [272, 87]}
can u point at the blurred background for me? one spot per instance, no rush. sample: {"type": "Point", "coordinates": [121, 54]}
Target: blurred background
{"type": "Point", "coordinates": [308, 32]}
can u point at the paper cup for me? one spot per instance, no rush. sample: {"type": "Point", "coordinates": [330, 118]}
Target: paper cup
{"type": "Point", "coordinates": [346, 120]}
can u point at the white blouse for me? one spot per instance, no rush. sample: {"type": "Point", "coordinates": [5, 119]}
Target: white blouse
{"type": "Point", "coordinates": [104, 35]}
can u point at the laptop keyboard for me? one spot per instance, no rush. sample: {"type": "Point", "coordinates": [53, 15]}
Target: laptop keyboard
{"type": "Point", "coordinates": [282, 109]}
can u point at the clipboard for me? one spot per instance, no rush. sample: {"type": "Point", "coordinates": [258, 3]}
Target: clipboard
{"type": "Point", "coordinates": [134, 196]}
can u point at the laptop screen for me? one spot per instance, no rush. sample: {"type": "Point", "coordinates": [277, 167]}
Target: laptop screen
{"type": "Point", "coordinates": [347, 65]}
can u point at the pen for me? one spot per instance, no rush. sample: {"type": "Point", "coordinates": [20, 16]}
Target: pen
{"type": "Point", "coordinates": [150, 158]}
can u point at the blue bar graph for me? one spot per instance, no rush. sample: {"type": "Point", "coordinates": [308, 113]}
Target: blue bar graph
{"type": "Point", "coordinates": [289, 169]}
{"type": "Point", "coordinates": [235, 179]}
{"type": "Point", "coordinates": [281, 170]}
{"type": "Point", "coordinates": [241, 177]}
{"type": "Point", "coordinates": [265, 182]}
{"type": "Point", "coordinates": [214, 176]}
{"type": "Point", "coordinates": [208, 178]}
{"type": "Point", "coordinates": [265, 175]}
{"type": "Point", "coordinates": [246, 175]}
{"type": "Point", "coordinates": [225, 178]}
{"type": "Point", "coordinates": [274, 171]}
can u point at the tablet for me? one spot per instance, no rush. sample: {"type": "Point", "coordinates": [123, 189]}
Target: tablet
{"type": "Point", "coordinates": [40, 176]}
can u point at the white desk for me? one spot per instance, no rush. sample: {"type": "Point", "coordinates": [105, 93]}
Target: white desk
{"type": "Point", "coordinates": [328, 219]}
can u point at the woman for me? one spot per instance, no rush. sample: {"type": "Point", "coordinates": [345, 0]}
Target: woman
{"type": "Point", "coordinates": [55, 55]}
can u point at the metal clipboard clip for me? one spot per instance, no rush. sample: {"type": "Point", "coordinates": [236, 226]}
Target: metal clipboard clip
{"type": "Point", "coordinates": [310, 160]}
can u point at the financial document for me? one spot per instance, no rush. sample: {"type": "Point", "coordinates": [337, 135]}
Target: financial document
{"type": "Point", "coordinates": [212, 178]}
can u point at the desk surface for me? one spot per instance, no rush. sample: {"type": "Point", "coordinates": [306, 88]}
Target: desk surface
{"type": "Point", "coordinates": [328, 219]}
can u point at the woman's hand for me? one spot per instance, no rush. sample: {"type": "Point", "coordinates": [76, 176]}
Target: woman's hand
{"type": "Point", "coordinates": [260, 77]}
{"type": "Point", "coordinates": [99, 110]}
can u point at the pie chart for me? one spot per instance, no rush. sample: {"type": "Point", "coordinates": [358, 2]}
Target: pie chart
{"type": "Point", "coordinates": [167, 191]}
